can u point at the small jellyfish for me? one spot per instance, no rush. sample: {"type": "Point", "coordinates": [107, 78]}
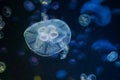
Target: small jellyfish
{"type": "Point", "coordinates": [112, 56]}
{"type": "Point", "coordinates": [99, 70]}
{"type": "Point", "coordinates": [72, 61]}
{"type": "Point", "coordinates": [55, 5]}
{"type": "Point", "coordinates": [28, 5]}
{"type": "Point", "coordinates": [84, 20]}
{"type": "Point", "coordinates": [2, 67]}
{"type": "Point", "coordinates": [117, 63]}
{"type": "Point", "coordinates": [48, 37]}
{"type": "Point", "coordinates": [2, 24]}
{"type": "Point", "coordinates": [7, 11]}
{"type": "Point", "coordinates": [1, 35]}
{"type": "Point", "coordinates": [83, 76]}
{"type": "Point", "coordinates": [61, 74]}
{"type": "Point", "coordinates": [91, 77]}
{"type": "Point", "coordinates": [45, 2]}
{"type": "Point", "coordinates": [33, 61]}
{"type": "Point", "coordinates": [102, 45]}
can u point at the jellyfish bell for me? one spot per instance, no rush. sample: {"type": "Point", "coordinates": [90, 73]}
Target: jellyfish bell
{"type": "Point", "coordinates": [48, 37]}
{"type": "Point", "coordinates": [84, 20]}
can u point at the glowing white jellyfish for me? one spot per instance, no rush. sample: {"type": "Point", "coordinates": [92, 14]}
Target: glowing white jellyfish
{"type": "Point", "coordinates": [48, 37]}
{"type": "Point", "coordinates": [112, 56]}
{"type": "Point", "coordinates": [83, 76]}
{"type": "Point", "coordinates": [45, 2]}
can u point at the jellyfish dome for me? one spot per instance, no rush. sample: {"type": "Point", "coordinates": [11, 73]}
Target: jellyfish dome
{"type": "Point", "coordinates": [48, 37]}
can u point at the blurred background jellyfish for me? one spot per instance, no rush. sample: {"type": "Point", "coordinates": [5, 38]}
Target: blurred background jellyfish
{"type": "Point", "coordinates": [33, 61]}
{"type": "Point", "coordinates": [72, 61]}
{"type": "Point", "coordinates": [28, 5]}
{"type": "Point", "coordinates": [83, 76]}
{"type": "Point", "coordinates": [117, 63]}
{"type": "Point", "coordinates": [102, 45]}
{"type": "Point", "coordinates": [45, 2]}
{"type": "Point", "coordinates": [2, 67]}
{"type": "Point", "coordinates": [112, 56]}
{"type": "Point", "coordinates": [99, 70]}
{"type": "Point", "coordinates": [101, 15]}
{"type": "Point", "coordinates": [7, 11]}
{"type": "Point", "coordinates": [48, 37]}
{"type": "Point", "coordinates": [84, 20]}
{"type": "Point", "coordinates": [55, 5]}
{"type": "Point", "coordinates": [61, 74]}
{"type": "Point", "coordinates": [91, 77]}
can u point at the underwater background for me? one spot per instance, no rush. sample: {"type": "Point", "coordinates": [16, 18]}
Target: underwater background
{"type": "Point", "coordinates": [94, 47]}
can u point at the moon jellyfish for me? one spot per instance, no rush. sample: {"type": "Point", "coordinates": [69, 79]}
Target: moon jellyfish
{"type": "Point", "coordinates": [45, 2]}
{"type": "Point", "coordinates": [101, 15]}
{"type": "Point", "coordinates": [112, 56]}
{"type": "Point", "coordinates": [7, 11]}
{"type": "Point", "coordinates": [91, 77]}
{"type": "Point", "coordinates": [48, 37]}
{"type": "Point", "coordinates": [83, 76]}
{"type": "Point", "coordinates": [2, 67]}
{"type": "Point", "coordinates": [84, 20]}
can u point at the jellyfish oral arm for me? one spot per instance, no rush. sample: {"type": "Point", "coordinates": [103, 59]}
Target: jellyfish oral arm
{"type": "Point", "coordinates": [63, 55]}
{"type": "Point", "coordinates": [44, 16]}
